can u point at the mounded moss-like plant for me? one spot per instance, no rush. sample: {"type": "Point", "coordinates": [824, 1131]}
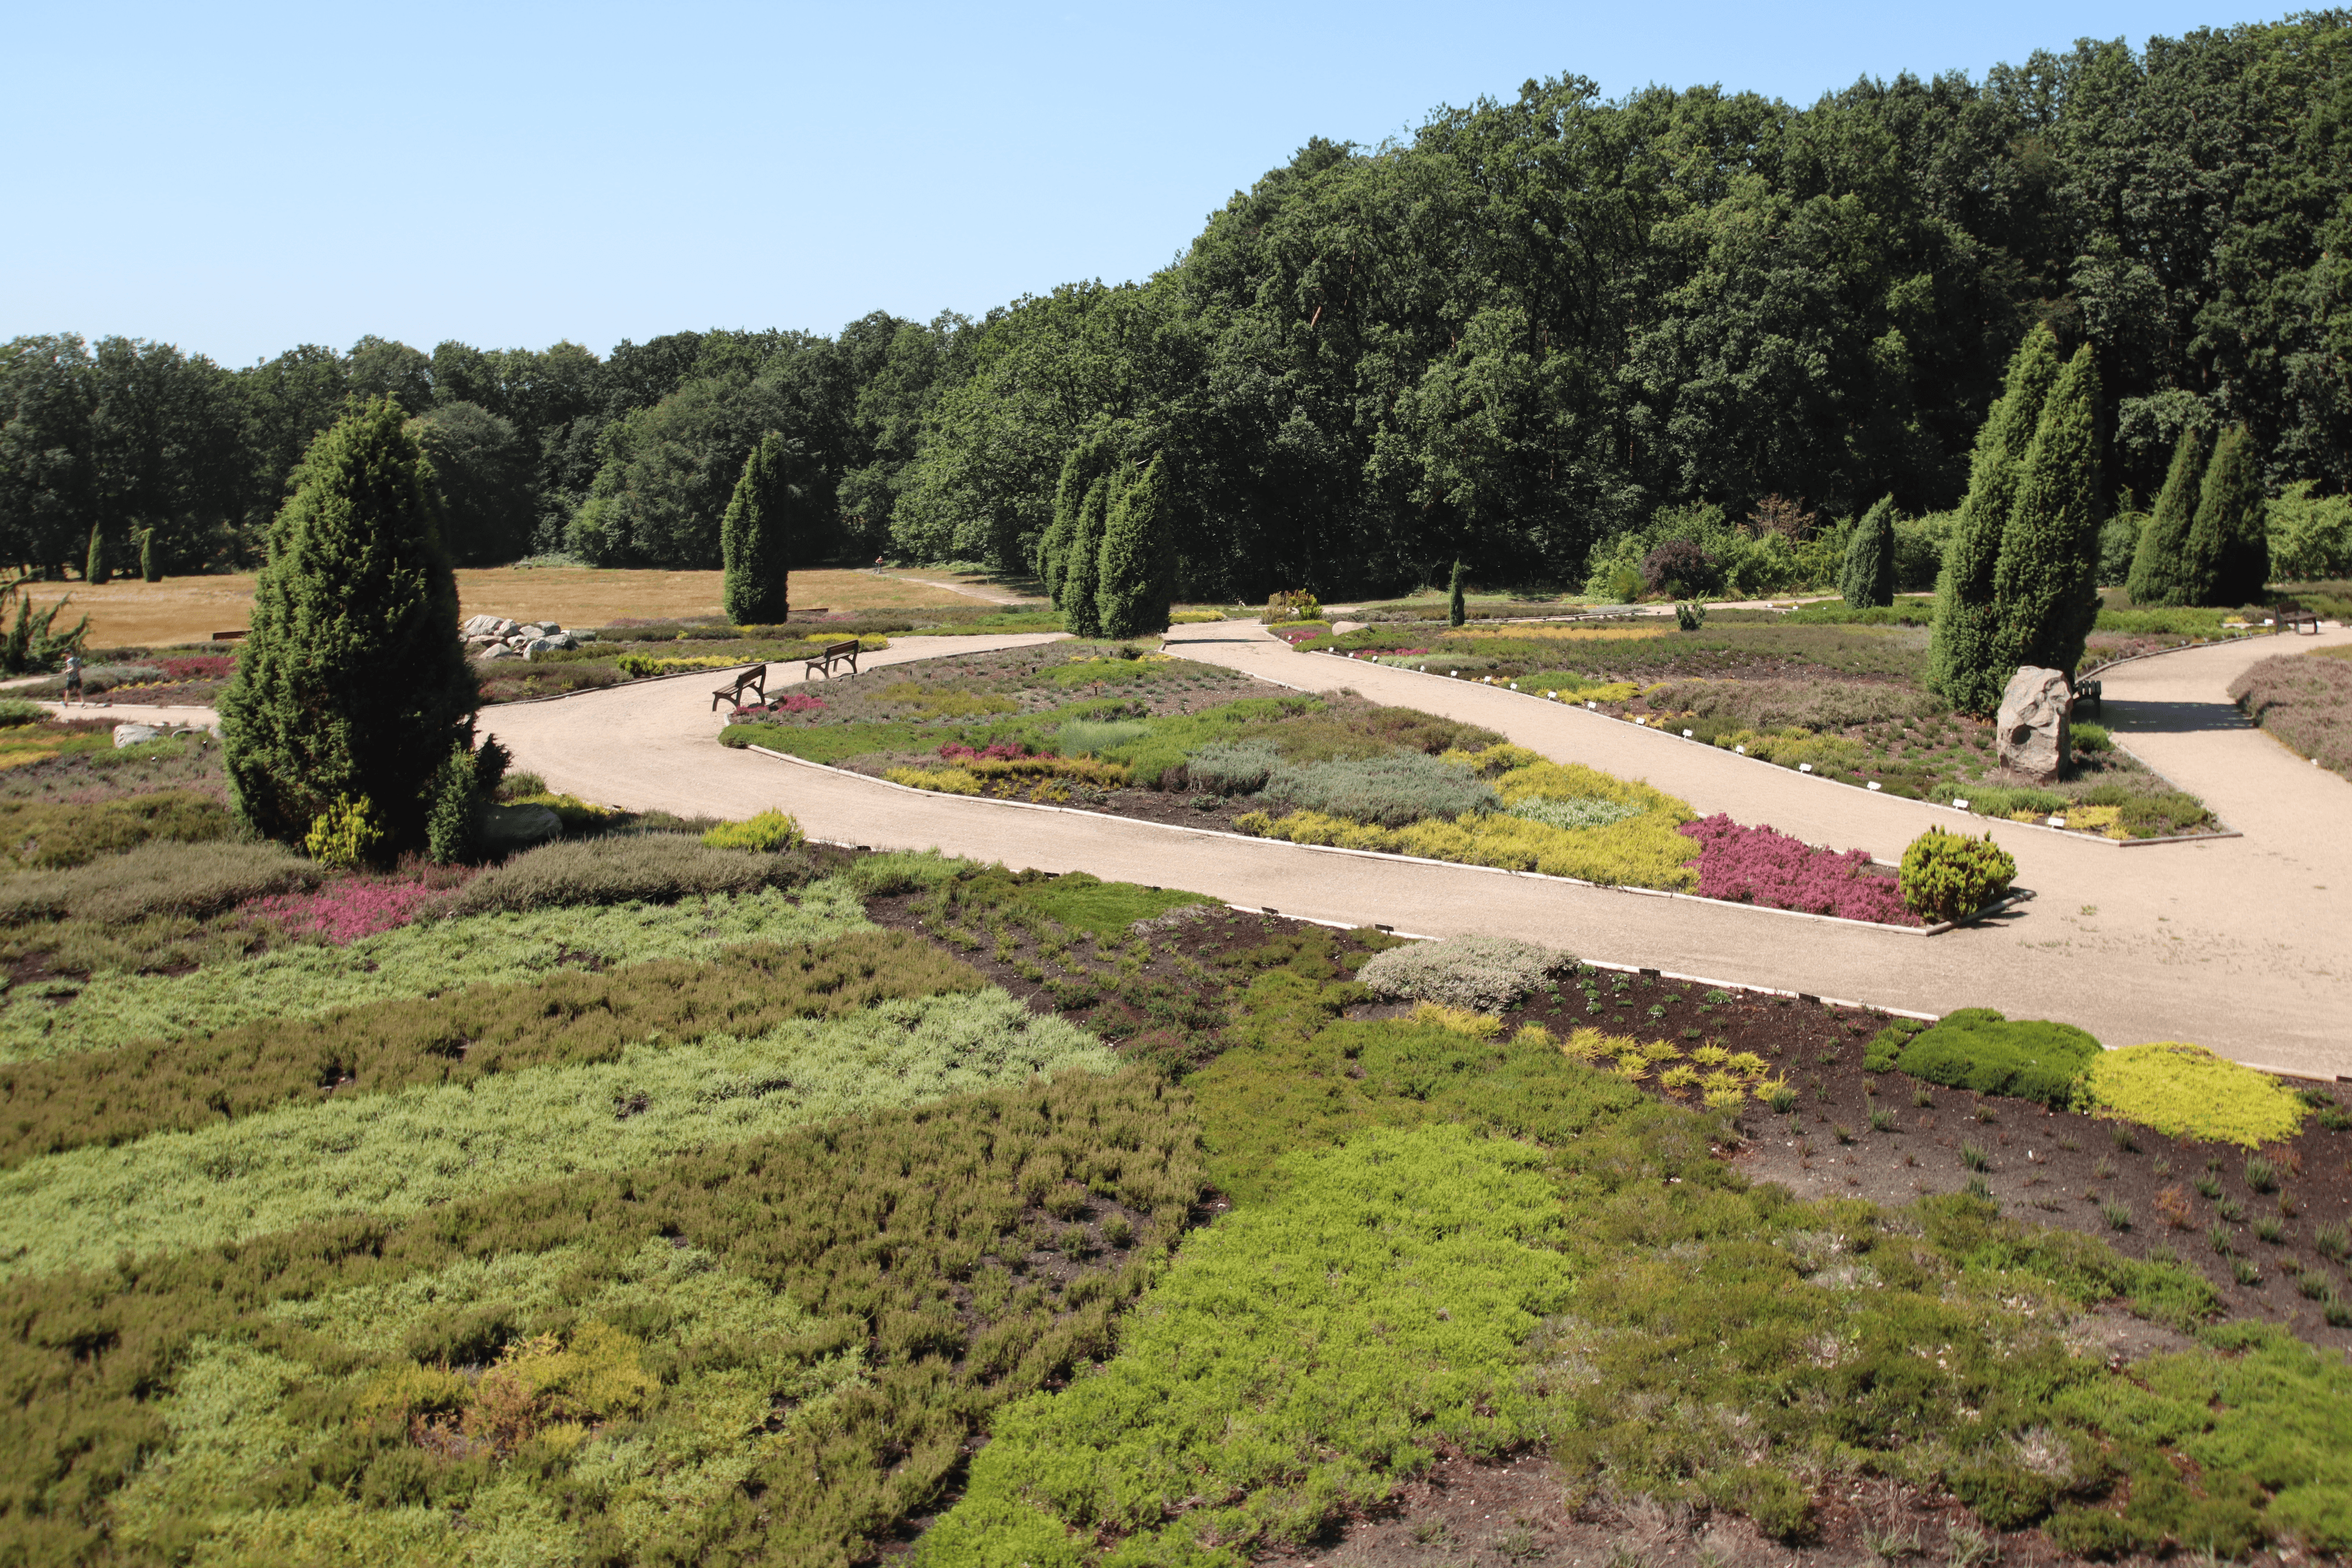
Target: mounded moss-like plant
{"type": "Point", "coordinates": [1977, 1048]}
{"type": "Point", "coordinates": [1947, 874]}
{"type": "Point", "coordinates": [160, 876]}
{"type": "Point", "coordinates": [1483, 973]}
{"type": "Point", "coordinates": [2185, 1090]}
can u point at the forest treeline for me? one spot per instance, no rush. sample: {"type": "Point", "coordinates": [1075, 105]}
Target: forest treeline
{"type": "Point", "coordinates": [1512, 339]}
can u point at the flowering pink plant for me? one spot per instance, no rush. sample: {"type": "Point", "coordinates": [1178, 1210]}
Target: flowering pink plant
{"type": "Point", "coordinates": [343, 911]}
{"type": "Point", "coordinates": [1001, 751]}
{"type": "Point", "coordinates": [1762, 866]}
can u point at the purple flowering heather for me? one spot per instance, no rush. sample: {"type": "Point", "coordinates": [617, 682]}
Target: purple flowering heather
{"type": "Point", "coordinates": [344, 911]}
{"type": "Point", "coordinates": [1763, 866]}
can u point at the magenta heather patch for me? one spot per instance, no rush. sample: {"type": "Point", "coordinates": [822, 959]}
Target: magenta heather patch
{"type": "Point", "coordinates": [789, 702]}
{"type": "Point", "coordinates": [198, 667]}
{"type": "Point", "coordinates": [343, 912]}
{"type": "Point", "coordinates": [1764, 866]}
{"type": "Point", "coordinates": [1001, 751]}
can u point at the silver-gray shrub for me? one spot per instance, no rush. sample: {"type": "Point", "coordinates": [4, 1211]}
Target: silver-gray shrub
{"type": "Point", "coordinates": [1085, 737]}
{"type": "Point", "coordinates": [158, 878]}
{"type": "Point", "coordinates": [1389, 790]}
{"type": "Point", "coordinates": [1584, 811]}
{"type": "Point", "coordinates": [1811, 704]}
{"type": "Point", "coordinates": [1485, 974]}
{"type": "Point", "coordinates": [1233, 768]}
{"type": "Point", "coordinates": [654, 868]}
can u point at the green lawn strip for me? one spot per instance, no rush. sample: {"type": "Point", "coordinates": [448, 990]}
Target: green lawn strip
{"type": "Point", "coordinates": [397, 1152]}
{"type": "Point", "coordinates": [1718, 1345]}
{"type": "Point", "coordinates": [116, 1096]}
{"type": "Point", "coordinates": [420, 960]}
{"type": "Point", "coordinates": [774, 1348]}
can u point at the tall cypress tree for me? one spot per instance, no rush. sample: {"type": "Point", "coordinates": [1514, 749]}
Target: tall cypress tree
{"type": "Point", "coordinates": [94, 563]}
{"type": "Point", "coordinates": [1456, 609]}
{"type": "Point", "coordinates": [150, 563]}
{"type": "Point", "coordinates": [755, 538]}
{"type": "Point", "coordinates": [2229, 544]}
{"type": "Point", "coordinates": [1137, 577]}
{"type": "Point", "coordinates": [2159, 569]}
{"type": "Point", "coordinates": [1081, 615]}
{"type": "Point", "coordinates": [2046, 585]}
{"type": "Point", "coordinates": [1962, 659]}
{"type": "Point", "coordinates": [1868, 579]}
{"type": "Point", "coordinates": [352, 681]}
{"type": "Point", "coordinates": [1053, 546]}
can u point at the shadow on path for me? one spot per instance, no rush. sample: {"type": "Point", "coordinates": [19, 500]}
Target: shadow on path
{"type": "Point", "coordinates": [2175, 717]}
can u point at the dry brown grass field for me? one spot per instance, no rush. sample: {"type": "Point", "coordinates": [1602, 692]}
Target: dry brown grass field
{"type": "Point", "coordinates": [127, 613]}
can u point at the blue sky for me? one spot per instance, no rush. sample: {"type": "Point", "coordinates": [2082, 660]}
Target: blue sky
{"type": "Point", "coordinates": [237, 179]}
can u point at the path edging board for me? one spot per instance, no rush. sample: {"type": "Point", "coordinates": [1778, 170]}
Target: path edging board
{"type": "Point", "coordinates": [2018, 896]}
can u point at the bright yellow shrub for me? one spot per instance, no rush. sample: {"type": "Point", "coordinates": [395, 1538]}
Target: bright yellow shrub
{"type": "Point", "coordinates": [944, 781]}
{"type": "Point", "coordinates": [1461, 1020]}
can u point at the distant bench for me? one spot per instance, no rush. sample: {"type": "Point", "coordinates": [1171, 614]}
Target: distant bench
{"type": "Point", "coordinates": [832, 653]}
{"type": "Point", "coordinates": [2301, 622]}
{"type": "Point", "coordinates": [754, 679]}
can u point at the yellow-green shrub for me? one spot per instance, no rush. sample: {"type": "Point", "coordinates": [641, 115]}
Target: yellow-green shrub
{"type": "Point", "coordinates": [1641, 852]}
{"type": "Point", "coordinates": [345, 835]}
{"type": "Point", "coordinates": [944, 781]}
{"type": "Point", "coordinates": [1790, 748]}
{"type": "Point", "coordinates": [771, 830]}
{"type": "Point", "coordinates": [1084, 770]}
{"type": "Point", "coordinates": [2184, 1091]}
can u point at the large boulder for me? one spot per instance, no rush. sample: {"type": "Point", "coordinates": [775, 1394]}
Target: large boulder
{"type": "Point", "coordinates": [538, 645]}
{"type": "Point", "coordinates": [2031, 724]}
{"type": "Point", "coordinates": [500, 650]}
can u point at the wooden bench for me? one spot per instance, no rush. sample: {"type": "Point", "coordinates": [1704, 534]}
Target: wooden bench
{"type": "Point", "coordinates": [835, 653]}
{"type": "Point", "coordinates": [2301, 622]}
{"type": "Point", "coordinates": [754, 679]}
{"type": "Point", "coordinates": [2087, 695]}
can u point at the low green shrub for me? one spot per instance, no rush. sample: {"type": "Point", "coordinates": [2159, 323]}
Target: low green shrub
{"type": "Point", "coordinates": [1085, 902]}
{"type": "Point", "coordinates": [903, 871]}
{"type": "Point", "coordinates": [770, 832]}
{"type": "Point", "coordinates": [1977, 1048]}
{"type": "Point", "coordinates": [1573, 816]}
{"type": "Point", "coordinates": [1485, 973]}
{"type": "Point", "coordinates": [2186, 1092]}
{"type": "Point", "coordinates": [113, 1097]}
{"type": "Point", "coordinates": [50, 836]}
{"type": "Point", "coordinates": [1946, 875]}
{"type": "Point", "coordinates": [650, 868]}
{"type": "Point", "coordinates": [160, 876]}
{"type": "Point", "coordinates": [14, 711]}
{"type": "Point", "coordinates": [1389, 792]}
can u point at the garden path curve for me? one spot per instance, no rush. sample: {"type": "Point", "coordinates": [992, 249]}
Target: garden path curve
{"type": "Point", "coordinates": [2238, 944]}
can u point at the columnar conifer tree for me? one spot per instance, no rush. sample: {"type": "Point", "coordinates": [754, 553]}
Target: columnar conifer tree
{"type": "Point", "coordinates": [1053, 546]}
{"type": "Point", "coordinates": [755, 538]}
{"type": "Point", "coordinates": [2046, 584]}
{"type": "Point", "coordinates": [1456, 610]}
{"type": "Point", "coordinates": [151, 564]}
{"type": "Point", "coordinates": [2159, 570]}
{"type": "Point", "coordinates": [352, 682]}
{"type": "Point", "coordinates": [1868, 580]}
{"type": "Point", "coordinates": [1963, 660]}
{"type": "Point", "coordinates": [1081, 615]}
{"type": "Point", "coordinates": [94, 563]}
{"type": "Point", "coordinates": [2229, 544]}
{"type": "Point", "coordinates": [1136, 576]}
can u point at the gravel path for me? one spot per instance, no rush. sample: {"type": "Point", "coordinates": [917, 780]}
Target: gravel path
{"type": "Point", "coordinates": [2240, 944]}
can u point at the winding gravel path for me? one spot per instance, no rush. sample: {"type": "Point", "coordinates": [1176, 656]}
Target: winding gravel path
{"type": "Point", "coordinates": [2240, 944]}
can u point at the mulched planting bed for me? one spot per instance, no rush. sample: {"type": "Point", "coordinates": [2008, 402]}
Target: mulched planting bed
{"type": "Point", "coordinates": [1844, 702]}
{"type": "Point", "coordinates": [1163, 1001]}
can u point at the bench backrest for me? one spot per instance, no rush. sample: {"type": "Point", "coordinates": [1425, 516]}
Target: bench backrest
{"type": "Point", "coordinates": [744, 677]}
{"type": "Point", "coordinates": [840, 647]}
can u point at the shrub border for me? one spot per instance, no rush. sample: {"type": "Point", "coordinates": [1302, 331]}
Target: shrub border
{"type": "Point", "coordinates": [2226, 831]}
{"type": "Point", "coordinates": [2016, 895]}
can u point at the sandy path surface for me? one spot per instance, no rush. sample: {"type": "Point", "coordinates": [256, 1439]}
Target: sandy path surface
{"type": "Point", "coordinates": [2239, 944]}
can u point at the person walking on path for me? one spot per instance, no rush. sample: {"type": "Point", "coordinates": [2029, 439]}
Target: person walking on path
{"type": "Point", "coordinates": [73, 679]}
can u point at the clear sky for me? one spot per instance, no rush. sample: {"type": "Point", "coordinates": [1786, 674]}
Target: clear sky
{"type": "Point", "coordinates": [240, 178]}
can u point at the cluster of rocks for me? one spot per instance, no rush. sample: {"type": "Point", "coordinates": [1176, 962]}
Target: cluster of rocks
{"type": "Point", "coordinates": [495, 637]}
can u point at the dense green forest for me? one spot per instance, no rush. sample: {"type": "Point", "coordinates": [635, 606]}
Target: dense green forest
{"type": "Point", "coordinates": [1512, 339]}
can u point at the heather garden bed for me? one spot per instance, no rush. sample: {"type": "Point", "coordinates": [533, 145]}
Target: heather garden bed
{"type": "Point", "coordinates": [1832, 692]}
{"type": "Point", "coordinates": [654, 1199]}
{"type": "Point", "coordinates": [1184, 742]}
{"type": "Point", "coordinates": [2304, 700]}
